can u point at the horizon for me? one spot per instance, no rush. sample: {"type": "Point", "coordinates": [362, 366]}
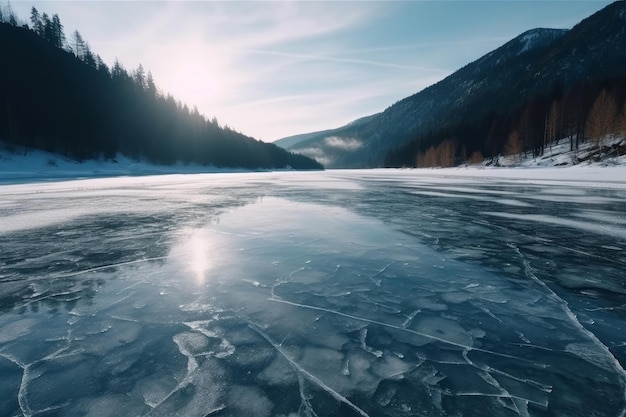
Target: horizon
{"type": "Point", "coordinates": [276, 69]}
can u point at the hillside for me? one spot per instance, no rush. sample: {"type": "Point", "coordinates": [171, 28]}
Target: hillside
{"type": "Point", "coordinates": [465, 105]}
{"type": "Point", "coordinates": [291, 141]}
{"type": "Point", "coordinates": [69, 102]}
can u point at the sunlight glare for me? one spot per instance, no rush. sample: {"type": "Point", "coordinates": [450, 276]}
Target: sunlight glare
{"type": "Point", "coordinates": [199, 262]}
{"type": "Point", "coordinates": [195, 253]}
{"type": "Point", "coordinates": [195, 74]}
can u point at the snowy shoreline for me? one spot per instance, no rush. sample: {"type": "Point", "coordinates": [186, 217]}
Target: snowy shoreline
{"type": "Point", "coordinates": [40, 166]}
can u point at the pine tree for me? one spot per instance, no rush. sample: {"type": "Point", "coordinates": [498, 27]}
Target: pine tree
{"type": "Point", "coordinates": [102, 67]}
{"type": "Point", "coordinates": [88, 57]}
{"type": "Point", "coordinates": [58, 37]}
{"type": "Point", "coordinates": [151, 87]}
{"type": "Point", "coordinates": [118, 71]}
{"type": "Point", "coordinates": [48, 33]}
{"type": "Point", "coordinates": [139, 77]}
{"type": "Point", "coordinates": [35, 21]}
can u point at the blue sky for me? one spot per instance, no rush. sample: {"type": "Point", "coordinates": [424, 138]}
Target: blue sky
{"type": "Point", "coordinates": [274, 69]}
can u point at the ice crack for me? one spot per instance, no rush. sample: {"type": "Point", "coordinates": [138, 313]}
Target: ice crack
{"type": "Point", "coordinates": [415, 332]}
{"type": "Point", "coordinates": [529, 272]}
{"type": "Point", "coordinates": [303, 372]}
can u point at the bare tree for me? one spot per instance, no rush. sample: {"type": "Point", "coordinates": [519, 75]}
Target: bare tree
{"type": "Point", "coordinates": [524, 133]}
{"type": "Point", "coordinates": [475, 158]}
{"type": "Point", "coordinates": [622, 123]}
{"type": "Point", "coordinates": [513, 145]}
{"type": "Point", "coordinates": [553, 124]}
{"type": "Point", "coordinates": [446, 153]}
{"type": "Point", "coordinates": [602, 117]}
{"type": "Point", "coordinates": [427, 159]}
{"type": "Point", "coordinates": [78, 44]}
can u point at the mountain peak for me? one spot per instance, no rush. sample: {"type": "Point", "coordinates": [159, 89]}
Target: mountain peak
{"type": "Point", "coordinates": [530, 40]}
{"type": "Point", "coordinates": [538, 37]}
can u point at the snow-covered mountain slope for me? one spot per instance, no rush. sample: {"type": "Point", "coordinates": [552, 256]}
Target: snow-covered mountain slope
{"type": "Point", "coordinates": [538, 60]}
{"type": "Point", "coordinates": [611, 152]}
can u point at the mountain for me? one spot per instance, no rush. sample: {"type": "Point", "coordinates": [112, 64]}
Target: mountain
{"type": "Point", "coordinates": [291, 141]}
{"type": "Point", "coordinates": [329, 137]}
{"type": "Point", "coordinates": [536, 62]}
{"type": "Point", "coordinates": [69, 102]}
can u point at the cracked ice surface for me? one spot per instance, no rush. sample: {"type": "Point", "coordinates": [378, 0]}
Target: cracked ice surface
{"type": "Point", "coordinates": [312, 294]}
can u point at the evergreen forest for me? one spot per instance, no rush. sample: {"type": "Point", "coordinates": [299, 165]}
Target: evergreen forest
{"type": "Point", "coordinates": [58, 95]}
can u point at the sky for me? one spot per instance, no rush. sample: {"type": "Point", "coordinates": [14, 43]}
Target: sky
{"type": "Point", "coordinates": [271, 69]}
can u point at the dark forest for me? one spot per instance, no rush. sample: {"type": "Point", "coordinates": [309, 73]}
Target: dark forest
{"type": "Point", "coordinates": [58, 95]}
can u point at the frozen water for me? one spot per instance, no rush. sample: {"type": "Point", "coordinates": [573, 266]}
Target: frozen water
{"type": "Point", "coordinates": [344, 293]}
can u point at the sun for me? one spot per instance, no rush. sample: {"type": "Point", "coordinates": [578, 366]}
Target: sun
{"type": "Point", "coordinates": [196, 77]}
{"type": "Point", "coordinates": [196, 81]}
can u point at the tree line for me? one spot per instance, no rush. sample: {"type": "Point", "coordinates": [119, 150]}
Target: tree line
{"type": "Point", "coordinates": [59, 96]}
{"type": "Point", "coordinates": [587, 111]}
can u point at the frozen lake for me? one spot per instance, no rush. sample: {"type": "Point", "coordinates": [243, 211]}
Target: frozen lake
{"type": "Point", "coordinates": [339, 293]}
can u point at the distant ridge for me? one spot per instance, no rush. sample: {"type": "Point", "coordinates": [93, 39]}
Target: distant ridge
{"type": "Point", "coordinates": [494, 86]}
{"type": "Point", "coordinates": [291, 141]}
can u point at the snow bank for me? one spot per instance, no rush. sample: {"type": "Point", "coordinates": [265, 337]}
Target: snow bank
{"type": "Point", "coordinates": [35, 165]}
{"type": "Point", "coordinates": [609, 153]}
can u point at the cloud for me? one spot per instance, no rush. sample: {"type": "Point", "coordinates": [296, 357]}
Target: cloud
{"type": "Point", "coordinates": [317, 154]}
{"type": "Point", "coordinates": [312, 57]}
{"type": "Point", "coordinates": [346, 144]}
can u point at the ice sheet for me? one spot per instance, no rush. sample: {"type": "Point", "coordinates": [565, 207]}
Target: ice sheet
{"type": "Point", "coordinates": [346, 293]}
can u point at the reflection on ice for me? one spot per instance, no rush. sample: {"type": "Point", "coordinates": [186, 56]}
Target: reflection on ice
{"type": "Point", "coordinates": [293, 306]}
{"type": "Point", "coordinates": [198, 251]}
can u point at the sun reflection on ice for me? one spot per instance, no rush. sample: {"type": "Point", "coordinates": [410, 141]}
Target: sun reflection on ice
{"type": "Point", "coordinates": [196, 253]}
{"type": "Point", "coordinates": [199, 262]}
